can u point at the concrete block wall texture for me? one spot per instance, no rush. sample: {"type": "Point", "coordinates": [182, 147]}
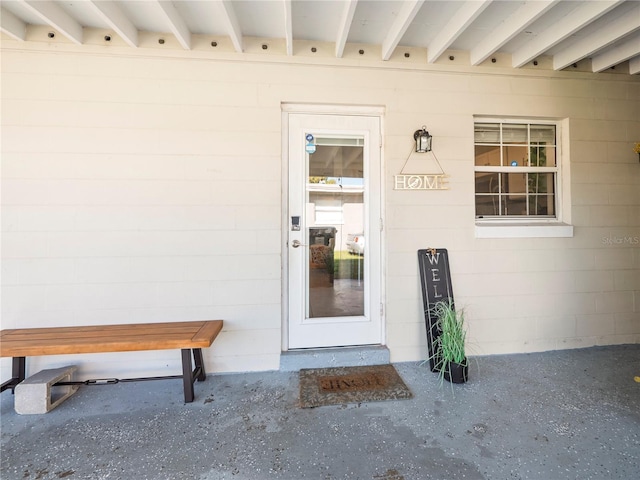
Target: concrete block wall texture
{"type": "Point", "coordinates": [148, 187]}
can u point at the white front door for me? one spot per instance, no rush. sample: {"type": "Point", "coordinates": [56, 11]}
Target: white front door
{"type": "Point", "coordinates": [334, 231]}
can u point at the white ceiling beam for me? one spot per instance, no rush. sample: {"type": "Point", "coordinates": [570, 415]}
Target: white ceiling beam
{"type": "Point", "coordinates": [634, 65]}
{"type": "Point", "coordinates": [113, 16]}
{"type": "Point", "coordinates": [405, 16]}
{"type": "Point", "coordinates": [345, 26]}
{"type": "Point", "coordinates": [176, 23]}
{"type": "Point", "coordinates": [509, 28]}
{"type": "Point", "coordinates": [56, 17]}
{"type": "Point", "coordinates": [452, 30]}
{"type": "Point", "coordinates": [231, 22]}
{"type": "Point", "coordinates": [581, 16]}
{"type": "Point", "coordinates": [618, 54]}
{"type": "Point", "coordinates": [608, 34]}
{"type": "Point", "coordinates": [288, 27]}
{"type": "Point", "coordinates": [12, 25]}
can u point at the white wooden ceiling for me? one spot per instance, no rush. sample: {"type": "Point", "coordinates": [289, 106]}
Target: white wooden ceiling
{"type": "Point", "coordinates": [597, 34]}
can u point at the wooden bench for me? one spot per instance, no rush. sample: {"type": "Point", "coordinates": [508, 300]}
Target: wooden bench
{"type": "Point", "coordinates": [190, 337]}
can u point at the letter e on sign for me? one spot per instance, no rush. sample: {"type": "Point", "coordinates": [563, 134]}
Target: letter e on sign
{"type": "Point", "coordinates": [434, 274]}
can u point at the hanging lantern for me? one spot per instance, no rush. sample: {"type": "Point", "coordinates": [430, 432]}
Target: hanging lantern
{"type": "Point", "coordinates": [423, 140]}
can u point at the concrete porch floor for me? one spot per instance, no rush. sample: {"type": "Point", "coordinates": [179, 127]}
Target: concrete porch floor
{"type": "Point", "coordinates": [572, 414]}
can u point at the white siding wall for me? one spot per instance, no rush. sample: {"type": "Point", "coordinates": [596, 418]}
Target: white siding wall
{"type": "Point", "coordinates": [148, 188]}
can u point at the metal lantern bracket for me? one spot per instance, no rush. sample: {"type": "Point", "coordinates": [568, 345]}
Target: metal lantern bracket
{"type": "Point", "coordinates": [434, 157]}
{"type": "Point", "coordinates": [420, 181]}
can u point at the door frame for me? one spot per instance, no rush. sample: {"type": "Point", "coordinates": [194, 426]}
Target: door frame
{"type": "Point", "coordinates": [319, 109]}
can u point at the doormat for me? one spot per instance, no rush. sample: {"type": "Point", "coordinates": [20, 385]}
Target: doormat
{"type": "Point", "coordinates": [338, 385]}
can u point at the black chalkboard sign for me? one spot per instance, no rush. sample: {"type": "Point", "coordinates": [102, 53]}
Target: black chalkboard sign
{"type": "Point", "coordinates": [435, 278]}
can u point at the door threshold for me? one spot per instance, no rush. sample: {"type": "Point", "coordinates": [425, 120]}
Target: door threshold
{"type": "Point", "coordinates": [295, 360]}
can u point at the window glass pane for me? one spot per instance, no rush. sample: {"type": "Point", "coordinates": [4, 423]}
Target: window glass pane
{"type": "Point", "coordinates": [514, 133]}
{"type": "Point", "coordinates": [487, 205]}
{"type": "Point", "coordinates": [542, 205]}
{"type": "Point", "coordinates": [340, 141]}
{"type": "Point", "coordinates": [540, 183]}
{"type": "Point", "coordinates": [542, 156]}
{"type": "Point", "coordinates": [511, 145]}
{"type": "Point", "coordinates": [543, 134]}
{"type": "Point", "coordinates": [486, 182]}
{"type": "Point", "coordinates": [487, 155]}
{"type": "Point", "coordinates": [514, 205]}
{"type": "Point", "coordinates": [514, 183]}
{"type": "Point", "coordinates": [487, 133]}
{"type": "Point", "coordinates": [515, 156]}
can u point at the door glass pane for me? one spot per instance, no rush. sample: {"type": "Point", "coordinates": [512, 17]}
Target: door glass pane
{"type": "Point", "coordinates": [335, 228]}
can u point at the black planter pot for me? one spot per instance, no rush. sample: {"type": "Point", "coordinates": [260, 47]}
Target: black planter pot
{"type": "Point", "coordinates": [456, 372]}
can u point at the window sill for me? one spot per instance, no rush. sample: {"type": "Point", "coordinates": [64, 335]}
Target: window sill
{"type": "Point", "coordinates": [523, 230]}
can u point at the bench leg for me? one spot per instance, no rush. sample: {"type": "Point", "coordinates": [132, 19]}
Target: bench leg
{"type": "Point", "coordinates": [190, 374]}
{"type": "Point", "coordinates": [18, 370]}
{"type": "Point", "coordinates": [199, 372]}
{"type": "Point", "coordinates": [187, 375]}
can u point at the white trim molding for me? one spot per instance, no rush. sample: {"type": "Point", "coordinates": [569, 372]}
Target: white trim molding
{"type": "Point", "coordinates": [524, 230]}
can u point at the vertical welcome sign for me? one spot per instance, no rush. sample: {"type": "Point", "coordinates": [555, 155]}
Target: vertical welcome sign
{"type": "Point", "coordinates": [435, 278]}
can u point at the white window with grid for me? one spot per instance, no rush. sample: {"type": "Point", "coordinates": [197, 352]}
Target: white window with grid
{"type": "Point", "coordinates": [518, 177]}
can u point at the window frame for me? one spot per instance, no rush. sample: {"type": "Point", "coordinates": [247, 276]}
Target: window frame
{"type": "Point", "coordinates": [529, 226]}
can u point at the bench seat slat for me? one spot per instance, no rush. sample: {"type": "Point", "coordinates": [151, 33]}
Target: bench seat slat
{"type": "Point", "coordinates": [36, 333]}
{"type": "Point", "coordinates": [112, 329]}
{"type": "Point", "coordinates": [108, 338]}
{"type": "Point", "coordinates": [209, 330]}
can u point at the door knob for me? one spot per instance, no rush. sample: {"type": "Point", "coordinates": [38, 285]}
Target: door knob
{"type": "Point", "coordinates": [296, 244]}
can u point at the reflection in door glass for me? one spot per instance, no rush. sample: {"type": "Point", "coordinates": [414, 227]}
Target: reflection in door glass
{"type": "Point", "coordinates": [335, 223]}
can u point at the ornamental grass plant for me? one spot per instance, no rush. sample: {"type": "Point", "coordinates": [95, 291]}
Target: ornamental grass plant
{"type": "Point", "coordinates": [449, 345]}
